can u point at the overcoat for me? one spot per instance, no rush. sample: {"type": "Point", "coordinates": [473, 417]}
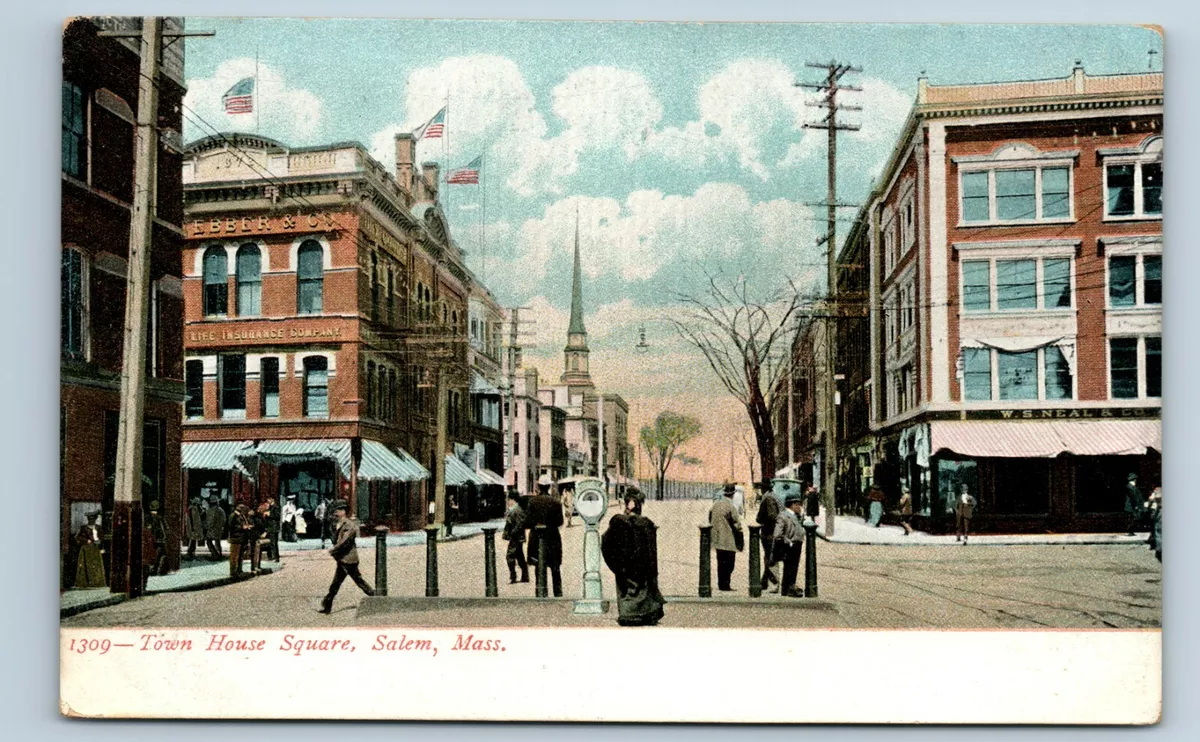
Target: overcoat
{"type": "Point", "coordinates": [630, 549]}
{"type": "Point", "coordinates": [214, 526]}
{"type": "Point", "coordinates": [193, 525]}
{"type": "Point", "coordinates": [545, 510]}
{"type": "Point", "coordinates": [724, 520]}
{"type": "Point", "coordinates": [344, 548]}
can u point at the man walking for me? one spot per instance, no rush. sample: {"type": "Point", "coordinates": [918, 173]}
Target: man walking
{"type": "Point", "coordinates": [964, 511]}
{"type": "Point", "coordinates": [193, 528]}
{"type": "Point", "coordinates": [1133, 503]}
{"type": "Point", "coordinates": [727, 537]}
{"type": "Point", "coordinates": [768, 511]}
{"type": "Point", "coordinates": [789, 542]}
{"type": "Point", "coordinates": [345, 553]}
{"type": "Point", "coordinates": [214, 529]}
{"type": "Point", "coordinates": [514, 534]}
{"type": "Point", "coordinates": [546, 510]}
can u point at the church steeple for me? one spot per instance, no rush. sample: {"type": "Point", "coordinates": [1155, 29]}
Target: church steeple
{"type": "Point", "coordinates": [575, 355]}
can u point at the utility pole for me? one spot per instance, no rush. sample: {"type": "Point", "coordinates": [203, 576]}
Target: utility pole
{"type": "Point", "coordinates": [439, 463]}
{"type": "Point", "coordinates": [600, 467]}
{"type": "Point", "coordinates": [510, 436]}
{"type": "Point", "coordinates": [829, 89]}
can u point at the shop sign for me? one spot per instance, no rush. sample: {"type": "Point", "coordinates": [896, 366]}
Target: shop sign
{"type": "Point", "coordinates": [251, 334]}
{"type": "Point", "coordinates": [224, 226]}
{"type": "Point", "coordinates": [1068, 413]}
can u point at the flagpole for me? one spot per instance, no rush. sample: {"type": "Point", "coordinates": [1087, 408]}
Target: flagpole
{"type": "Point", "coordinates": [483, 223]}
{"type": "Point", "coordinates": [446, 157]}
{"type": "Point", "coordinates": [257, 91]}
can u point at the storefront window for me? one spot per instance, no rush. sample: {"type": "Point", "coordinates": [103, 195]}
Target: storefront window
{"type": "Point", "coordinates": [951, 476]}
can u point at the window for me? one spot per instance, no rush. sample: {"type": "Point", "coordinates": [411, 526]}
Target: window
{"type": "Point", "coordinates": [391, 296]}
{"type": "Point", "coordinates": [1133, 190]}
{"type": "Point", "coordinates": [233, 385]}
{"type": "Point", "coordinates": [1134, 280]}
{"type": "Point", "coordinates": [249, 280]}
{"type": "Point", "coordinates": [516, 444]}
{"type": "Point", "coordinates": [392, 396]}
{"type": "Point", "coordinates": [1016, 195]}
{"type": "Point", "coordinates": [316, 386]}
{"type": "Point", "coordinates": [1029, 375]}
{"type": "Point", "coordinates": [374, 287]}
{"type": "Point", "coordinates": [269, 372]}
{"type": "Point", "coordinates": [310, 272]}
{"type": "Point", "coordinates": [194, 383]}
{"type": "Point", "coordinates": [1016, 284]}
{"type": "Point", "coordinates": [216, 284]}
{"type": "Point", "coordinates": [72, 305]}
{"type": "Point", "coordinates": [74, 154]}
{"type": "Point", "coordinates": [371, 387]}
{"type": "Point", "coordinates": [1018, 375]}
{"type": "Point", "coordinates": [1135, 367]}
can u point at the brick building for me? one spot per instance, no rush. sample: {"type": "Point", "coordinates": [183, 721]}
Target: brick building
{"type": "Point", "coordinates": [1013, 297]}
{"type": "Point", "coordinates": [325, 306]}
{"type": "Point", "coordinates": [100, 98]}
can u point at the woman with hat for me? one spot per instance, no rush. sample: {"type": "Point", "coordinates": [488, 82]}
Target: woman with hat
{"type": "Point", "coordinates": [630, 549]}
{"type": "Point", "coordinates": [89, 570]}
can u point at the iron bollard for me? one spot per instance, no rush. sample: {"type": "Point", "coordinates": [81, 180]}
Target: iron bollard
{"type": "Point", "coordinates": [705, 561]}
{"type": "Point", "coordinates": [489, 563]}
{"type": "Point", "coordinates": [431, 565]}
{"type": "Point", "coordinates": [755, 562]}
{"type": "Point", "coordinates": [810, 559]}
{"type": "Point", "coordinates": [381, 578]}
{"type": "Point", "coordinates": [539, 588]}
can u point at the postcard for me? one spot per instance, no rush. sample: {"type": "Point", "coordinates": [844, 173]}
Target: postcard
{"type": "Point", "coordinates": [464, 357]}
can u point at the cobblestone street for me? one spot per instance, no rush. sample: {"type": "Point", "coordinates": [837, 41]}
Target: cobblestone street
{"type": "Point", "coordinates": [912, 587]}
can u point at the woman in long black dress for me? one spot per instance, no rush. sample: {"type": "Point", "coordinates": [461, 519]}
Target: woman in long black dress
{"type": "Point", "coordinates": [630, 549]}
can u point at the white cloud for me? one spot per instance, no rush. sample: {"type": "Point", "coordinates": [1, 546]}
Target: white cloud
{"type": "Point", "coordinates": [885, 108]}
{"type": "Point", "coordinates": [289, 114]}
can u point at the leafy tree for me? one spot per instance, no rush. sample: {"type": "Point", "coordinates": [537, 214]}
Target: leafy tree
{"type": "Point", "coordinates": [662, 441]}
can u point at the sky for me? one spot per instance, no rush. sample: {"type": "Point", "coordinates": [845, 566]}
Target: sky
{"type": "Point", "coordinates": [680, 148]}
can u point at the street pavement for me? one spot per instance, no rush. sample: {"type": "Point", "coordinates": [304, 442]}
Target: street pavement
{"type": "Point", "coordinates": [1116, 585]}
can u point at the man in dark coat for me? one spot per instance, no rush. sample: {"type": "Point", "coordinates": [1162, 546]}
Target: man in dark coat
{"type": "Point", "coordinates": [271, 526]}
{"type": "Point", "coordinates": [630, 549]}
{"type": "Point", "coordinates": [345, 552]}
{"type": "Point", "coordinates": [158, 529]}
{"type": "Point", "coordinates": [241, 537]}
{"type": "Point", "coordinates": [514, 534]}
{"type": "Point", "coordinates": [1133, 503]}
{"type": "Point", "coordinates": [768, 511]}
{"type": "Point", "coordinates": [546, 510]}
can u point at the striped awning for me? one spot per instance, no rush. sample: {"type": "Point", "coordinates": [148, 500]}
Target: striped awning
{"type": "Point", "coordinates": [492, 477]}
{"type": "Point", "coordinates": [458, 473]}
{"type": "Point", "coordinates": [294, 451]}
{"type": "Point", "coordinates": [380, 462]}
{"type": "Point", "coordinates": [218, 455]}
{"type": "Point", "coordinates": [1046, 439]}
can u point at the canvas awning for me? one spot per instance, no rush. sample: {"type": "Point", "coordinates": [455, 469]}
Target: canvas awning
{"type": "Point", "coordinates": [383, 463]}
{"type": "Point", "coordinates": [459, 474]}
{"type": "Point", "coordinates": [317, 449]}
{"type": "Point", "coordinates": [491, 477]}
{"type": "Point", "coordinates": [219, 455]}
{"type": "Point", "coordinates": [1046, 439]}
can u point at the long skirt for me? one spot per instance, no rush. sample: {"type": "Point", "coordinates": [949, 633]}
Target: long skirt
{"type": "Point", "coordinates": [90, 569]}
{"type": "Point", "coordinates": [876, 513]}
{"type": "Point", "coordinates": [639, 603]}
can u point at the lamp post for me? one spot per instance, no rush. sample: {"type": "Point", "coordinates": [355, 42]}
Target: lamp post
{"type": "Point", "coordinates": [591, 502]}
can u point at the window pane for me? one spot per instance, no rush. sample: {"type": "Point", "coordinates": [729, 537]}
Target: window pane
{"type": "Point", "coordinates": [977, 373]}
{"type": "Point", "coordinates": [1120, 190]}
{"type": "Point", "coordinates": [1015, 194]}
{"type": "Point", "coordinates": [1056, 196]}
{"type": "Point", "coordinates": [1016, 284]}
{"type": "Point", "coordinates": [975, 197]}
{"type": "Point", "coordinates": [1123, 367]}
{"type": "Point", "coordinates": [233, 383]}
{"type": "Point", "coordinates": [1151, 187]}
{"type": "Point", "coordinates": [270, 387]}
{"type": "Point", "coordinates": [1121, 281]}
{"type": "Point", "coordinates": [216, 290]}
{"type": "Point", "coordinates": [1056, 283]}
{"type": "Point", "coordinates": [1154, 367]}
{"type": "Point", "coordinates": [976, 286]}
{"type": "Point", "coordinates": [1152, 279]}
{"type": "Point", "coordinates": [309, 260]}
{"type": "Point", "coordinates": [316, 387]}
{"type": "Point", "coordinates": [194, 382]}
{"type": "Point", "coordinates": [72, 129]}
{"type": "Point", "coordinates": [71, 304]}
{"type": "Point", "coordinates": [1018, 375]}
{"type": "Point", "coordinates": [1058, 374]}
{"type": "Point", "coordinates": [249, 281]}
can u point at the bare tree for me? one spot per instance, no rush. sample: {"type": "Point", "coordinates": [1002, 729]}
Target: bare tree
{"type": "Point", "coordinates": [662, 441]}
{"type": "Point", "coordinates": [747, 341]}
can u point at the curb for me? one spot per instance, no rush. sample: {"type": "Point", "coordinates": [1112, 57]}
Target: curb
{"type": "Point", "coordinates": [385, 604]}
{"type": "Point", "coordinates": [116, 598]}
{"type": "Point", "coordinates": [1031, 542]}
{"type": "Point", "coordinates": [75, 610]}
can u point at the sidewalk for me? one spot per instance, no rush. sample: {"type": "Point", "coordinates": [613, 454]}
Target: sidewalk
{"type": "Point", "coordinates": [399, 538]}
{"type": "Point", "coordinates": [196, 575]}
{"type": "Point", "coordinates": [851, 529]}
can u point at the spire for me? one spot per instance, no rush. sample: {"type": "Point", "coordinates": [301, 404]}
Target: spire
{"type": "Point", "coordinates": [576, 327]}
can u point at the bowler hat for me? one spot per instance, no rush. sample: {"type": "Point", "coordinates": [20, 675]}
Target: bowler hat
{"type": "Point", "coordinates": [337, 505]}
{"type": "Point", "coordinates": [729, 487]}
{"type": "Point", "coordinates": [1132, 476]}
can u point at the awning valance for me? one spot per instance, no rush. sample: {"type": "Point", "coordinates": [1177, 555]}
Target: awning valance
{"type": "Point", "coordinates": [459, 474]}
{"type": "Point", "coordinates": [1046, 439]}
{"type": "Point", "coordinates": [380, 462]}
{"type": "Point", "coordinates": [219, 455]}
{"type": "Point", "coordinates": [294, 451]}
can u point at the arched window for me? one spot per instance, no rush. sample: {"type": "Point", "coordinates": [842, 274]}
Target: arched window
{"type": "Point", "coordinates": [249, 280]}
{"type": "Point", "coordinates": [316, 386]}
{"type": "Point", "coordinates": [391, 296]}
{"type": "Point", "coordinates": [374, 287]}
{"type": "Point", "coordinates": [216, 285]}
{"type": "Point", "coordinates": [310, 273]}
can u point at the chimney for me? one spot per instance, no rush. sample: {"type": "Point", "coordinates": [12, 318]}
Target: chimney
{"type": "Point", "coordinates": [1077, 76]}
{"type": "Point", "coordinates": [430, 171]}
{"type": "Point", "coordinates": [922, 88]}
{"type": "Point", "coordinates": [406, 151]}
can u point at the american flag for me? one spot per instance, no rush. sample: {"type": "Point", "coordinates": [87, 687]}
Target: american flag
{"type": "Point", "coordinates": [240, 98]}
{"type": "Point", "coordinates": [468, 175]}
{"type": "Point", "coordinates": [435, 127]}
